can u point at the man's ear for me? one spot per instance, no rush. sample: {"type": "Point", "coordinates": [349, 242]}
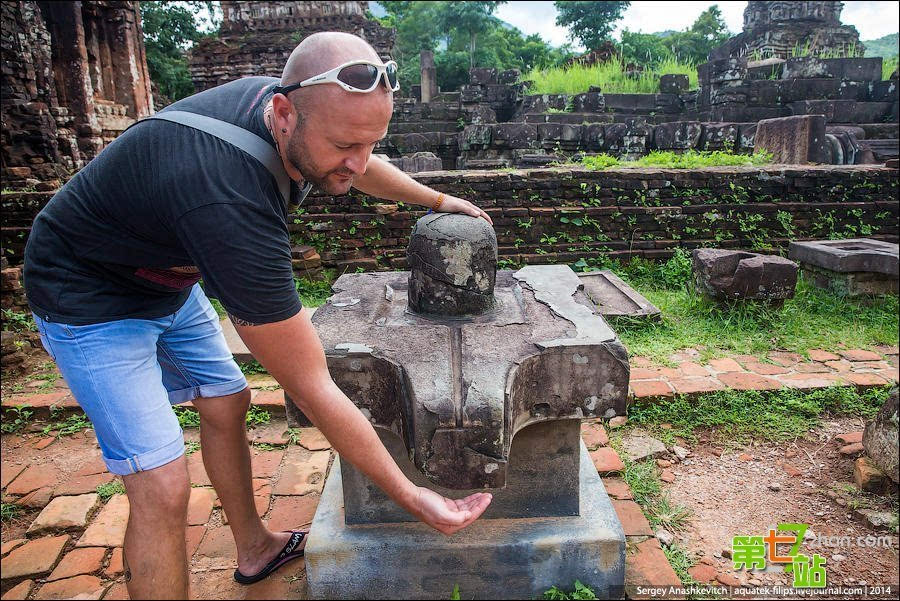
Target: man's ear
{"type": "Point", "coordinates": [284, 112]}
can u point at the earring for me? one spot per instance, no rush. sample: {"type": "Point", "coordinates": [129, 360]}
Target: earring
{"type": "Point", "coordinates": [283, 130]}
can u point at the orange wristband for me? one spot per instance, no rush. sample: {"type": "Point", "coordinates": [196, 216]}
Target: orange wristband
{"type": "Point", "coordinates": [437, 204]}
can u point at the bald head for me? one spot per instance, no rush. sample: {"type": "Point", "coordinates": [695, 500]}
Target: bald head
{"type": "Point", "coordinates": [323, 51]}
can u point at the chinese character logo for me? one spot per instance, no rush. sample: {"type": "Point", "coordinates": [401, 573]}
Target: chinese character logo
{"type": "Point", "coordinates": [753, 552]}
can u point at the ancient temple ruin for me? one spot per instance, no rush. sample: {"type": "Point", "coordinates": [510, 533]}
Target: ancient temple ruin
{"type": "Point", "coordinates": [783, 29]}
{"type": "Point", "coordinates": [74, 77]}
{"type": "Point", "coordinates": [256, 38]}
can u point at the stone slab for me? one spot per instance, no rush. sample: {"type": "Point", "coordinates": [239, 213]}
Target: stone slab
{"type": "Point", "coordinates": [34, 558]}
{"type": "Point", "coordinates": [490, 559]}
{"type": "Point", "coordinates": [542, 478]}
{"type": "Point", "coordinates": [615, 298]}
{"type": "Point", "coordinates": [108, 528]}
{"type": "Point", "coordinates": [844, 256]}
{"type": "Point", "coordinates": [65, 512]}
{"type": "Point", "coordinates": [793, 140]}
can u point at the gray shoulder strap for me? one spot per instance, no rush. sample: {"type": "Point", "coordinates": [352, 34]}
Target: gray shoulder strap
{"type": "Point", "coordinates": [246, 140]}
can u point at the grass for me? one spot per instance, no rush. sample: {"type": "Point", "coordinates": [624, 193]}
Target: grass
{"type": "Point", "coordinates": [610, 77]}
{"type": "Point", "coordinates": [106, 491]}
{"type": "Point", "coordinates": [9, 511]}
{"type": "Point", "coordinates": [68, 426]}
{"type": "Point", "coordinates": [888, 66]}
{"type": "Point", "coordinates": [739, 416]}
{"type": "Point", "coordinates": [191, 447]}
{"type": "Point", "coordinates": [813, 319]}
{"type": "Point", "coordinates": [187, 418]}
{"type": "Point", "coordinates": [314, 292]}
{"type": "Point", "coordinates": [18, 321]}
{"type": "Point", "coordinates": [252, 367]}
{"type": "Point", "coordinates": [257, 416]}
{"type": "Point", "coordinates": [691, 159]}
{"type": "Point", "coordinates": [16, 418]}
{"type": "Point", "coordinates": [579, 591]}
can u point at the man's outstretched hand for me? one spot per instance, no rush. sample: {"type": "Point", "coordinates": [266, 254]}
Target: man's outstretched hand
{"type": "Point", "coordinates": [452, 204]}
{"type": "Point", "coordinates": [449, 515]}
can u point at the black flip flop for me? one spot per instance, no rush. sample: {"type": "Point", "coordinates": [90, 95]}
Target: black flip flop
{"type": "Point", "coordinates": [287, 554]}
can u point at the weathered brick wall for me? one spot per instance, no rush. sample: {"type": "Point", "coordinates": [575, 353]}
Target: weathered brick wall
{"type": "Point", "coordinates": [564, 214]}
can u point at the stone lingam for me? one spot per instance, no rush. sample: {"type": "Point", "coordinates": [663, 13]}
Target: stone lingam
{"type": "Point", "coordinates": [474, 379]}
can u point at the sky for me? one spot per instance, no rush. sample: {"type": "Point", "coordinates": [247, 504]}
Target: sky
{"type": "Point", "coordinates": [872, 19]}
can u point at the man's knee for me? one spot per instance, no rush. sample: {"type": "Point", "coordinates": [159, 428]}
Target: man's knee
{"type": "Point", "coordinates": [224, 411]}
{"type": "Point", "coordinates": [162, 492]}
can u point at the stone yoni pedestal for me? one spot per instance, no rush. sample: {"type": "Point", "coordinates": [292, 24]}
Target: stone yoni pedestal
{"type": "Point", "coordinates": [474, 380]}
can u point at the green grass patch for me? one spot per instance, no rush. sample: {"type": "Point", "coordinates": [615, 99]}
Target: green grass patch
{"type": "Point", "coordinates": [187, 417]}
{"type": "Point", "coordinates": [813, 319]}
{"type": "Point", "coordinates": [579, 591]}
{"type": "Point", "coordinates": [738, 416]}
{"type": "Point", "coordinates": [191, 447]}
{"type": "Point", "coordinates": [252, 367]}
{"type": "Point", "coordinates": [106, 491]}
{"type": "Point", "coordinates": [888, 66]}
{"type": "Point", "coordinates": [16, 418]}
{"type": "Point", "coordinates": [18, 321]}
{"type": "Point", "coordinates": [9, 511]}
{"type": "Point", "coordinates": [610, 76]}
{"type": "Point", "coordinates": [68, 426]}
{"type": "Point", "coordinates": [691, 159]}
{"type": "Point", "coordinates": [257, 416]}
{"type": "Point", "coordinates": [314, 293]}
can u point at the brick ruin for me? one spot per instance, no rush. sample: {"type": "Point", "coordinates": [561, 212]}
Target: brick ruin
{"type": "Point", "coordinates": [783, 29]}
{"type": "Point", "coordinates": [74, 76]}
{"type": "Point", "coordinates": [256, 38]}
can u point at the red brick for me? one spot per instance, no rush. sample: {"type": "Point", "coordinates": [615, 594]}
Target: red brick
{"type": "Point", "coordinates": [607, 460]}
{"type": "Point", "coordinates": [840, 366]}
{"type": "Point", "coordinates": [94, 466]}
{"type": "Point", "coordinates": [646, 566]}
{"type": "Point", "coordinates": [9, 473]}
{"type": "Point", "coordinates": [692, 385]}
{"type": "Point", "coordinates": [640, 362]}
{"type": "Point", "coordinates": [702, 573]}
{"type": "Point", "coordinates": [34, 558]}
{"type": "Point", "coordinates": [747, 381]}
{"type": "Point", "coordinates": [271, 400]}
{"type": "Point", "coordinates": [265, 463]}
{"type": "Point", "coordinates": [41, 401]}
{"type": "Point", "coordinates": [108, 528]}
{"type": "Point", "coordinates": [617, 488]}
{"type": "Point", "coordinates": [891, 375]}
{"type": "Point", "coordinates": [20, 591]}
{"type": "Point", "coordinates": [116, 566]}
{"type": "Point", "coordinates": [218, 543]}
{"type": "Point", "coordinates": [852, 449]}
{"type": "Point", "coordinates": [12, 544]}
{"type": "Point", "coordinates": [669, 372]}
{"type": "Point", "coordinates": [303, 473]}
{"type": "Point", "coordinates": [725, 365]}
{"type": "Point", "coordinates": [633, 521]}
{"type": "Point", "coordinates": [200, 505]}
{"type": "Point", "coordinates": [33, 478]}
{"type": "Point", "coordinates": [196, 471]}
{"type": "Point", "coordinates": [289, 513]}
{"type": "Point", "coordinates": [36, 499]}
{"type": "Point", "coordinates": [192, 539]}
{"type": "Point", "coordinates": [850, 437]}
{"type": "Point", "coordinates": [820, 355]}
{"type": "Point", "coordinates": [70, 588]}
{"type": "Point", "coordinates": [728, 580]}
{"type": "Point", "coordinates": [765, 369]}
{"type": "Point", "coordinates": [65, 512]}
{"type": "Point", "coordinates": [691, 369]}
{"type": "Point", "coordinates": [642, 373]}
{"type": "Point", "coordinates": [594, 435]}
{"type": "Point", "coordinates": [865, 379]}
{"type": "Point", "coordinates": [866, 365]}
{"type": "Point", "coordinates": [783, 358]}
{"type": "Point", "coordinates": [117, 592]}
{"type": "Point", "coordinates": [791, 471]}
{"type": "Point", "coordinates": [82, 484]}
{"type": "Point", "coordinates": [811, 368]}
{"type": "Point", "coordinates": [79, 561]}
{"type": "Point", "coordinates": [860, 355]}
{"type": "Point", "coordinates": [867, 475]}
{"type": "Point", "coordinates": [667, 476]}
{"type": "Point", "coordinates": [312, 439]}
{"type": "Point", "coordinates": [651, 388]}
{"type": "Point", "coordinates": [809, 381]}
{"type": "Point", "coordinates": [43, 443]}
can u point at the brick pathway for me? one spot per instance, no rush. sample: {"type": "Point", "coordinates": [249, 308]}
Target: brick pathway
{"type": "Point", "coordinates": [73, 545]}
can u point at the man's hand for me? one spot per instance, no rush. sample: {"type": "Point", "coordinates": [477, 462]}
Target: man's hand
{"type": "Point", "coordinates": [452, 204]}
{"type": "Point", "coordinates": [449, 515]}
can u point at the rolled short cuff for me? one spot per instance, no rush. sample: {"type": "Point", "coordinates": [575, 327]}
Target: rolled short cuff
{"type": "Point", "coordinates": [184, 395]}
{"type": "Point", "coordinates": [147, 461]}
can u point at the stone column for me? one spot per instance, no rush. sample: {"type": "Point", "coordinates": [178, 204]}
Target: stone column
{"type": "Point", "coordinates": [428, 75]}
{"type": "Point", "coordinates": [129, 63]}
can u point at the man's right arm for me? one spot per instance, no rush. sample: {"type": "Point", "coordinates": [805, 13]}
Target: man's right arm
{"type": "Point", "coordinates": [291, 352]}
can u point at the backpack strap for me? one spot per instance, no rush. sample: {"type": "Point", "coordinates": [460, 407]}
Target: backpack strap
{"type": "Point", "coordinates": [246, 140]}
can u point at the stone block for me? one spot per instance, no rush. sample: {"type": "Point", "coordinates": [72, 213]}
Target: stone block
{"type": "Point", "coordinates": [35, 558]}
{"type": "Point", "coordinates": [793, 140]}
{"type": "Point", "coordinates": [614, 298]}
{"type": "Point", "coordinates": [65, 512]}
{"type": "Point", "coordinates": [868, 476]}
{"type": "Point", "coordinates": [514, 135]}
{"type": "Point", "coordinates": [880, 438]}
{"type": "Point", "coordinates": [677, 135]}
{"type": "Point", "coordinates": [673, 83]}
{"type": "Point", "coordinates": [884, 91]}
{"type": "Point", "coordinates": [108, 528]}
{"type": "Point", "coordinates": [844, 256]}
{"type": "Point", "coordinates": [482, 76]}
{"type": "Point", "coordinates": [592, 136]}
{"type": "Point", "coordinates": [588, 102]}
{"type": "Point", "coordinates": [731, 275]}
{"type": "Point", "coordinates": [491, 558]}
{"type": "Point", "coordinates": [719, 136]}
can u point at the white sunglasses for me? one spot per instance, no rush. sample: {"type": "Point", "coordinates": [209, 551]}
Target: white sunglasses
{"type": "Point", "coordinates": [356, 76]}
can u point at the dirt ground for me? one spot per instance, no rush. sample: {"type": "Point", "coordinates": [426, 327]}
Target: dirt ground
{"type": "Point", "coordinates": [731, 494]}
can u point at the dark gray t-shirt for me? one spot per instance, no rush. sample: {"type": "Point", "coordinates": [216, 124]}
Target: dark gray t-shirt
{"type": "Point", "coordinates": [162, 206]}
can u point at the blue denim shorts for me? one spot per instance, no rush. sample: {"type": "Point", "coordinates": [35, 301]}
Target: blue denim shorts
{"type": "Point", "coordinates": [127, 374]}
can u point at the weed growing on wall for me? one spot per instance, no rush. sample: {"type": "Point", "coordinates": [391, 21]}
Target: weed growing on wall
{"type": "Point", "coordinates": [691, 159]}
{"type": "Point", "coordinates": [611, 77]}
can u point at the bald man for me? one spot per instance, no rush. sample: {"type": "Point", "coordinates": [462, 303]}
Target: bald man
{"type": "Point", "coordinates": [112, 269]}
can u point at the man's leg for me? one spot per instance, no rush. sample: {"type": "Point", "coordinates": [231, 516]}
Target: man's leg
{"type": "Point", "coordinates": [226, 456]}
{"type": "Point", "coordinates": [154, 540]}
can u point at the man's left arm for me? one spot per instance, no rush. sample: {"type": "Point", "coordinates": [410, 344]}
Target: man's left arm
{"type": "Point", "coordinates": [385, 181]}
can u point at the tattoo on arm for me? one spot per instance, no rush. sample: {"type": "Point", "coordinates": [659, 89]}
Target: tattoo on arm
{"type": "Point", "coordinates": [240, 322]}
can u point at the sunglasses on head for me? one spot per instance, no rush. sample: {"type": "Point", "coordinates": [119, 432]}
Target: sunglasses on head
{"type": "Point", "coordinates": [356, 76]}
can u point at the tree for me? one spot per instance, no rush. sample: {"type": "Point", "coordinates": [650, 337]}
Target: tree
{"type": "Point", "coordinates": [170, 28]}
{"type": "Point", "coordinates": [589, 22]}
{"type": "Point", "coordinates": [469, 18]}
{"type": "Point", "coordinates": [708, 32]}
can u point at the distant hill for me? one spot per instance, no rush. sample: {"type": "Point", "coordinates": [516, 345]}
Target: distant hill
{"type": "Point", "coordinates": [885, 46]}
